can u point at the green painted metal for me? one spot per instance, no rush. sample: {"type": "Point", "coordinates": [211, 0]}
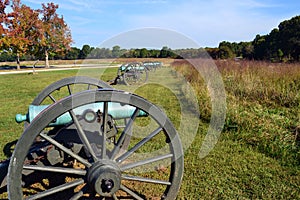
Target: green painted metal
{"type": "Point", "coordinates": [116, 110]}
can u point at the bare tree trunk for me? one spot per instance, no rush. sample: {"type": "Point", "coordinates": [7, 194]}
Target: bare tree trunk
{"type": "Point", "coordinates": [47, 59]}
{"type": "Point", "coordinates": [18, 61]}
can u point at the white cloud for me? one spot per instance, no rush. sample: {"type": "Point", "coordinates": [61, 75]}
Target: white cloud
{"type": "Point", "coordinates": [82, 4]}
{"type": "Point", "coordinates": [257, 4]}
{"type": "Point", "coordinates": [210, 22]}
{"type": "Point", "coordinates": [33, 1]}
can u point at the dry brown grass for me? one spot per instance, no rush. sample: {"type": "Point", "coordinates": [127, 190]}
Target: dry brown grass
{"type": "Point", "coordinates": [263, 102]}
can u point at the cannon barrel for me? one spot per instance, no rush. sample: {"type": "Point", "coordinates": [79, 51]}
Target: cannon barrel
{"type": "Point", "coordinates": [116, 110]}
{"type": "Point", "coordinates": [123, 68]}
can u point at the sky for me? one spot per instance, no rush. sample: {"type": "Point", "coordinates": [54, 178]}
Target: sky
{"type": "Point", "coordinates": [172, 23]}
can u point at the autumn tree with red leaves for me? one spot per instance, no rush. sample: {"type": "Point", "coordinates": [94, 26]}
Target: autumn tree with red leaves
{"type": "Point", "coordinates": [23, 26]}
{"type": "Point", "coordinates": [56, 38]}
{"type": "Point", "coordinates": [36, 32]}
{"type": "Point", "coordinates": [3, 17]}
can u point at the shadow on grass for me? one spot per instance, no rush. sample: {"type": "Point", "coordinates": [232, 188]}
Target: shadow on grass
{"type": "Point", "coordinates": [9, 148]}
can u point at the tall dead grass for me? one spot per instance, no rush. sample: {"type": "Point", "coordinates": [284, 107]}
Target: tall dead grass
{"type": "Point", "coordinates": [263, 103]}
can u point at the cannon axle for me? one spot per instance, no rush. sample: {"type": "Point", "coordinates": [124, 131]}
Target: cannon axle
{"type": "Point", "coordinates": [104, 177]}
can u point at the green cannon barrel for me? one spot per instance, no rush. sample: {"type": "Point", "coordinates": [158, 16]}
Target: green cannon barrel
{"type": "Point", "coordinates": [116, 110]}
{"type": "Point", "coordinates": [132, 66]}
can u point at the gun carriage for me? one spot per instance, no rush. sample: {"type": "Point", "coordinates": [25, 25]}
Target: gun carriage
{"type": "Point", "coordinates": [93, 143]}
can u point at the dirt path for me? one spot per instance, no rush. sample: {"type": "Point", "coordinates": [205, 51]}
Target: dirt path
{"type": "Point", "coordinates": [55, 68]}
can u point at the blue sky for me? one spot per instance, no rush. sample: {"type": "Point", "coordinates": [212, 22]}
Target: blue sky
{"type": "Point", "coordinates": [204, 22]}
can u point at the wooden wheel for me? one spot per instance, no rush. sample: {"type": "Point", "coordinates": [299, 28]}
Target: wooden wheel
{"type": "Point", "coordinates": [79, 162]}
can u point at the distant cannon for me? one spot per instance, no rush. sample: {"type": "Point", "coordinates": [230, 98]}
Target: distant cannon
{"type": "Point", "coordinates": [76, 146]}
{"type": "Point", "coordinates": [152, 65]}
{"type": "Point", "coordinates": [134, 73]}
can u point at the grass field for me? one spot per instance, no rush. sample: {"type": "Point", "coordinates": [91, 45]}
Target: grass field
{"type": "Point", "coordinates": [258, 153]}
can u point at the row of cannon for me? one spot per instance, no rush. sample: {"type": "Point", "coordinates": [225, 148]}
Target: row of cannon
{"type": "Point", "coordinates": [135, 73]}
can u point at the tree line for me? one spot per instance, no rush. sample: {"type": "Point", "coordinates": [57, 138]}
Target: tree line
{"type": "Point", "coordinates": [28, 34]}
{"type": "Point", "coordinates": [282, 44]}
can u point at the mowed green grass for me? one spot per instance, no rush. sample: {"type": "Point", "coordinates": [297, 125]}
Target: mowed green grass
{"type": "Point", "coordinates": [248, 162]}
{"type": "Point", "coordinates": [16, 92]}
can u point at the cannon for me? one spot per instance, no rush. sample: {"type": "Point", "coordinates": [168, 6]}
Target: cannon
{"type": "Point", "coordinates": [133, 73]}
{"type": "Point", "coordinates": [94, 142]}
{"type": "Point", "coordinates": [152, 65]}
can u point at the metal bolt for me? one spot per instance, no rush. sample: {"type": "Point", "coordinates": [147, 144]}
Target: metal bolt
{"type": "Point", "coordinates": [107, 185]}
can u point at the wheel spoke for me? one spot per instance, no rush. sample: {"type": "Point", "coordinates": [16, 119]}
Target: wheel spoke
{"type": "Point", "coordinates": [133, 194]}
{"type": "Point", "coordinates": [124, 133]}
{"type": "Point", "coordinates": [66, 150]}
{"type": "Point", "coordinates": [105, 115]}
{"type": "Point", "coordinates": [146, 161]}
{"type": "Point", "coordinates": [115, 197]}
{"type": "Point", "coordinates": [69, 89]}
{"type": "Point", "coordinates": [77, 195]}
{"type": "Point", "coordinates": [82, 135]}
{"type": "Point", "coordinates": [138, 145]}
{"type": "Point", "coordinates": [56, 189]}
{"type": "Point", "coordinates": [55, 169]}
{"type": "Point", "coordinates": [52, 98]}
{"type": "Point", "coordinates": [148, 180]}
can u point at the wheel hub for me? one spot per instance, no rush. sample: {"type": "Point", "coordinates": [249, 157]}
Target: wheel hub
{"type": "Point", "coordinates": [104, 177]}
